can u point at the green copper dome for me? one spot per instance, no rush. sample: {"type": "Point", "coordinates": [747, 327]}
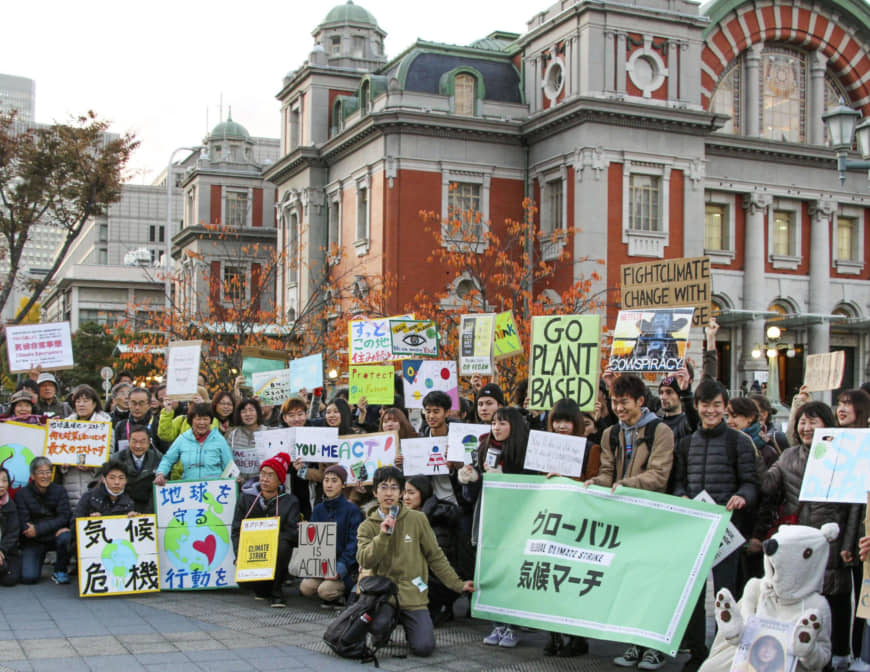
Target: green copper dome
{"type": "Point", "coordinates": [349, 13]}
{"type": "Point", "coordinates": [230, 129]}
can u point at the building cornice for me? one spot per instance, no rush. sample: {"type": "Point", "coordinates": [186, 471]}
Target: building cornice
{"type": "Point", "coordinates": [200, 233]}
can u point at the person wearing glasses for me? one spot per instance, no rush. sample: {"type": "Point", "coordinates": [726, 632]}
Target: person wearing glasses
{"type": "Point", "coordinates": [44, 515]}
{"type": "Point", "coordinates": [399, 543]}
{"type": "Point", "coordinates": [139, 401]}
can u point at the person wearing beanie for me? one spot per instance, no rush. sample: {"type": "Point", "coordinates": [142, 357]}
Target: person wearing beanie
{"type": "Point", "coordinates": [489, 399]}
{"type": "Point", "coordinates": [677, 410]}
{"type": "Point", "coordinates": [347, 517]}
{"type": "Point", "coordinates": [268, 499]}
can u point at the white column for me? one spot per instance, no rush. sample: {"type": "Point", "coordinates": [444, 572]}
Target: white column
{"type": "Point", "coordinates": [620, 63]}
{"type": "Point", "coordinates": [819, 299]}
{"type": "Point", "coordinates": [751, 99]}
{"type": "Point", "coordinates": [815, 125]}
{"type": "Point", "coordinates": [756, 206]}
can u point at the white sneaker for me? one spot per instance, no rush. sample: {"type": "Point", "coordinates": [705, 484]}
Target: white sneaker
{"type": "Point", "coordinates": [651, 660]}
{"type": "Point", "coordinates": [841, 662]}
{"type": "Point", "coordinates": [859, 665]}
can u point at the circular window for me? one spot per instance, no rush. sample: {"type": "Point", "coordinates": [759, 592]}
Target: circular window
{"type": "Point", "coordinates": [647, 70]}
{"type": "Point", "coordinates": [554, 79]}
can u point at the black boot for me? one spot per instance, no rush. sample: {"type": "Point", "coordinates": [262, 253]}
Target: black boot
{"type": "Point", "coordinates": [553, 647]}
{"type": "Point", "coordinates": [576, 646]}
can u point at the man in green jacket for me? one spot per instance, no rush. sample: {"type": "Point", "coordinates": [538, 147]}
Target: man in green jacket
{"type": "Point", "coordinates": [399, 543]}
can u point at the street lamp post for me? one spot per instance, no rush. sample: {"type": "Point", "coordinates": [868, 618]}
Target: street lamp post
{"type": "Point", "coordinates": [771, 350]}
{"type": "Point", "coordinates": [841, 124]}
{"type": "Point", "coordinates": [167, 253]}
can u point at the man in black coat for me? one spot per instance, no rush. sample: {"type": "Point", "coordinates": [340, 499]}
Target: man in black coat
{"type": "Point", "coordinates": [108, 497]}
{"type": "Point", "coordinates": [141, 461]}
{"type": "Point", "coordinates": [44, 513]}
{"type": "Point", "coordinates": [139, 402]}
{"type": "Point", "coordinates": [720, 461]}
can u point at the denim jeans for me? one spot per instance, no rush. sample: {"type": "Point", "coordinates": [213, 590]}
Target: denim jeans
{"type": "Point", "coordinates": [33, 555]}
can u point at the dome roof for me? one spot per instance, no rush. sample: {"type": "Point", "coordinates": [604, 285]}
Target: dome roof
{"type": "Point", "coordinates": [350, 13]}
{"type": "Point", "coordinates": [230, 129]}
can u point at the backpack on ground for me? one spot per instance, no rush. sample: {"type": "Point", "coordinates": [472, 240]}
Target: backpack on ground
{"type": "Point", "coordinates": [367, 624]}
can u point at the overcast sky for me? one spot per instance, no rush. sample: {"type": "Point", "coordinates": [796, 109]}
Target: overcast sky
{"type": "Point", "coordinates": [159, 68]}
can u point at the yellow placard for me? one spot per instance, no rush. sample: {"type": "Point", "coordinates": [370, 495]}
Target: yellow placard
{"type": "Point", "coordinates": [258, 549]}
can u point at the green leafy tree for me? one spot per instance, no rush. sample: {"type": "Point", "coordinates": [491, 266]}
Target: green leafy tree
{"type": "Point", "coordinates": [93, 350]}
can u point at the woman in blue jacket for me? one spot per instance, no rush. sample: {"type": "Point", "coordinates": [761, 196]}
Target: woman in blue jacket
{"type": "Point", "coordinates": [202, 451]}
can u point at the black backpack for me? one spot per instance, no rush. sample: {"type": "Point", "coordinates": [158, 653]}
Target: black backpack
{"type": "Point", "coordinates": [375, 613]}
{"type": "Point", "coordinates": [649, 433]}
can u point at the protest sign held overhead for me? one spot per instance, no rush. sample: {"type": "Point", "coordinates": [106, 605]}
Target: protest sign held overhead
{"type": "Point", "coordinates": [475, 344]}
{"type": "Point", "coordinates": [824, 371]}
{"type": "Point", "coordinates": [549, 452]}
{"type": "Point", "coordinates": [306, 373]}
{"type": "Point", "coordinates": [259, 360]}
{"type": "Point", "coordinates": [315, 555]}
{"type": "Point", "coordinates": [375, 382]}
{"type": "Point", "coordinates": [421, 376]}
{"type": "Point", "coordinates": [79, 442]}
{"type": "Point", "coordinates": [369, 341]}
{"type": "Point", "coordinates": [668, 283]}
{"type": "Point", "coordinates": [271, 387]}
{"type": "Point", "coordinates": [650, 340]}
{"type": "Point", "coordinates": [627, 566]}
{"type": "Point", "coordinates": [117, 555]}
{"type": "Point", "coordinates": [47, 345]}
{"type": "Point", "coordinates": [564, 361]}
{"type": "Point", "coordinates": [182, 369]}
{"type": "Point", "coordinates": [506, 340]}
{"type": "Point", "coordinates": [838, 466]}
{"type": "Point", "coordinates": [258, 549]}
{"type": "Point", "coordinates": [414, 338]}
{"type": "Point", "coordinates": [194, 520]}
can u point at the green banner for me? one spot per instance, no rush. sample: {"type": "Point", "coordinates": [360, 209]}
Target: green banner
{"type": "Point", "coordinates": [564, 361]}
{"type": "Point", "coordinates": [625, 566]}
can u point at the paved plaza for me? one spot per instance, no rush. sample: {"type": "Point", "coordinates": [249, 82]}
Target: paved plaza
{"type": "Point", "coordinates": [47, 627]}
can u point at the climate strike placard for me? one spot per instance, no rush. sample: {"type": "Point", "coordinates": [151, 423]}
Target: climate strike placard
{"type": "Point", "coordinates": [626, 566]}
{"type": "Point", "coordinates": [668, 283]}
{"type": "Point", "coordinates": [564, 360]}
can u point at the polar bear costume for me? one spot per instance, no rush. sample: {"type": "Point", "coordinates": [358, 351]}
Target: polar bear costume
{"type": "Point", "coordinates": [790, 591]}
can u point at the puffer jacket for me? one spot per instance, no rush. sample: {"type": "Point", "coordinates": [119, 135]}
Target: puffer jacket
{"type": "Point", "coordinates": [702, 462]}
{"type": "Point", "coordinates": [782, 487]}
{"type": "Point", "coordinates": [199, 460]}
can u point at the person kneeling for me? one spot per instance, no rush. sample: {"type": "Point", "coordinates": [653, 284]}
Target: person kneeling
{"type": "Point", "coordinates": [347, 517]}
{"type": "Point", "coordinates": [399, 543]}
{"type": "Point", "coordinates": [268, 499]}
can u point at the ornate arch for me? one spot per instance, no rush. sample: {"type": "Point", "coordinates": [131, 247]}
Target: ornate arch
{"type": "Point", "coordinates": [738, 25]}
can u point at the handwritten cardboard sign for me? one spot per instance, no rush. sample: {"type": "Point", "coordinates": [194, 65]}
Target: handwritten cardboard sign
{"type": "Point", "coordinates": [668, 283]}
{"type": "Point", "coordinates": [825, 371]}
{"type": "Point", "coordinates": [271, 387]}
{"type": "Point", "coordinates": [270, 442]}
{"type": "Point", "coordinates": [564, 360]}
{"type": "Point", "coordinates": [838, 466]}
{"type": "Point", "coordinates": [47, 345]}
{"type": "Point", "coordinates": [315, 555]}
{"type": "Point", "coordinates": [19, 444]}
{"type": "Point", "coordinates": [506, 340]}
{"type": "Point", "coordinates": [80, 442]}
{"type": "Point", "coordinates": [549, 452]}
{"type": "Point", "coordinates": [315, 444]}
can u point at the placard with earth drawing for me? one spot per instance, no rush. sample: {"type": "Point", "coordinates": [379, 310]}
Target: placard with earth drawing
{"type": "Point", "coordinates": [117, 555]}
{"type": "Point", "coordinates": [194, 520]}
{"type": "Point", "coordinates": [19, 444]}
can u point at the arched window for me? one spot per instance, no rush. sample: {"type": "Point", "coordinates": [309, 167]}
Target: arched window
{"type": "Point", "coordinates": [781, 104]}
{"type": "Point", "coordinates": [463, 102]}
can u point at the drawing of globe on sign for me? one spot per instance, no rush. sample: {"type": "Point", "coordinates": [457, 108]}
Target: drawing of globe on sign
{"type": "Point", "coordinates": [117, 559]}
{"type": "Point", "coordinates": [196, 543]}
{"type": "Point", "coordinates": [16, 459]}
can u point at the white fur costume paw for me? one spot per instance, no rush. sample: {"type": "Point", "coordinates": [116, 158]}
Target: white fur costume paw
{"type": "Point", "coordinates": [729, 621]}
{"type": "Point", "coordinates": [806, 632]}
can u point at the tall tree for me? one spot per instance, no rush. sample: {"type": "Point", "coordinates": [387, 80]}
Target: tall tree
{"type": "Point", "coordinates": [59, 176]}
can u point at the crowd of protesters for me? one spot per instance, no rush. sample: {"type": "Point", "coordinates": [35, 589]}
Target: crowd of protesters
{"type": "Point", "coordinates": [679, 436]}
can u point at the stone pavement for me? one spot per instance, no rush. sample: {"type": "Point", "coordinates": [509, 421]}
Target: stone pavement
{"type": "Point", "coordinates": [47, 627]}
